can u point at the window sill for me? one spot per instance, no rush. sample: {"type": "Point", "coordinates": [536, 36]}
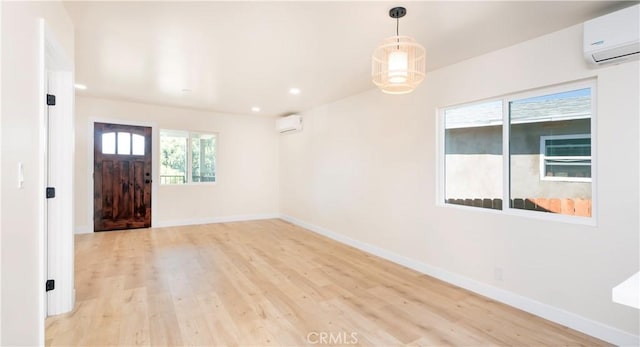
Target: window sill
{"type": "Point", "coordinates": [508, 211]}
{"type": "Point", "coordinates": [566, 179]}
{"type": "Point", "coordinates": [188, 184]}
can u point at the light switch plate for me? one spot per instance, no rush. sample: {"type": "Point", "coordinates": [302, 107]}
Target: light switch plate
{"type": "Point", "coordinates": [20, 175]}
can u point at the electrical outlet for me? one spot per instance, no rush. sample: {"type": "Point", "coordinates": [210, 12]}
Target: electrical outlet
{"type": "Point", "coordinates": [497, 273]}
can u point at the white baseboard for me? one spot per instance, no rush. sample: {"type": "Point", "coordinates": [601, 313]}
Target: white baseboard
{"type": "Point", "coordinates": [211, 220]}
{"type": "Point", "coordinates": [83, 230]}
{"type": "Point", "coordinates": [554, 314]}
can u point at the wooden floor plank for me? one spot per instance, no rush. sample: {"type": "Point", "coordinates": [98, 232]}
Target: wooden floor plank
{"type": "Point", "coordinates": [270, 283]}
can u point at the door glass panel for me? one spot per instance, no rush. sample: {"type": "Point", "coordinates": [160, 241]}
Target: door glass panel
{"type": "Point", "coordinates": [138, 144]}
{"type": "Point", "coordinates": [124, 143]}
{"type": "Point", "coordinates": [109, 143]}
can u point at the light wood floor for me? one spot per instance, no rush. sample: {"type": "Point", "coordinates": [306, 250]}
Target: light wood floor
{"type": "Point", "coordinates": [271, 283]}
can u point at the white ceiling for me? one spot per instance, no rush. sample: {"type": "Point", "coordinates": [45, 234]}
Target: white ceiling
{"type": "Point", "coordinates": [235, 55]}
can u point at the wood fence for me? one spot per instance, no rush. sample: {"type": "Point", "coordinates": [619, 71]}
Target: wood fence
{"type": "Point", "coordinates": [573, 207]}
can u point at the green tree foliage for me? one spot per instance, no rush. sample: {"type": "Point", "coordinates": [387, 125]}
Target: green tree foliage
{"type": "Point", "coordinates": [173, 157]}
{"type": "Point", "coordinates": [203, 157]}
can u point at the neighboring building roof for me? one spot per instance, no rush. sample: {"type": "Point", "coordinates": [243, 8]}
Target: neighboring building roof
{"type": "Point", "coordinates": [490, 113]}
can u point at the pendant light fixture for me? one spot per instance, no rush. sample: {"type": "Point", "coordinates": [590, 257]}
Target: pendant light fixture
{"type": "Point", "coordinates": [398, 64]}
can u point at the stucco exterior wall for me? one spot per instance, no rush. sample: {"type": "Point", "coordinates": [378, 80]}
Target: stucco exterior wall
{"type": "Point", "coordinates": [474, 162]}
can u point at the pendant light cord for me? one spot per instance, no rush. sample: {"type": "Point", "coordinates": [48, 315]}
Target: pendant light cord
{"type": "Point", "coordinates": [398, 31]}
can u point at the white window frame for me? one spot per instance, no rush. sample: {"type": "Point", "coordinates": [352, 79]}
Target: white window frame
{"type": "Point", "coordinates": [543, 157]}
{"type": "Point", "coordinates": [188, 136]}
{"type": "Point", "coordinates": [590, 83]}
{"type": "Point", "coordinates": [190, 159]}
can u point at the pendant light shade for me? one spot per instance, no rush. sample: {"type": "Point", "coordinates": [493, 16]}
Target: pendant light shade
{"type": "Point", "coordinates": [398, 64]}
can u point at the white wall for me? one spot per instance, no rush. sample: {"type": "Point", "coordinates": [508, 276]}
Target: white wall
{"type": "Point", "coordinates": [22, 240]}
{"type": "Point", "coordinates": [0, 170]}
{"type": "Point", "coordinates": [364, 169]}
{"type": "Point", "coordinates": [247, 179]}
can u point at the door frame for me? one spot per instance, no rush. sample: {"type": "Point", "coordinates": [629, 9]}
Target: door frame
{"type": "Point", "coordinates": [155, 178]}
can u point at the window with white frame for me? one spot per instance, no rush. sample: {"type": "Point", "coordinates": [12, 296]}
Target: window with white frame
{"type": "Point", "coordinates": [565, 158]}
{"type": "Point", "coordinates": [526, 151]}
{"type": "Point", "coordinates": [187, 157]}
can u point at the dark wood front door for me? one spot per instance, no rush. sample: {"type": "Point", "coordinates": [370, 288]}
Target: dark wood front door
{"type": "Point", "coordinates": [121, 177]}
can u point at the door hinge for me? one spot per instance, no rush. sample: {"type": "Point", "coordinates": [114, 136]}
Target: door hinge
{"type": "Point", "coordinates": [51, 192]}
{"type": "Point", "coordinates": [51, 285]}
{"type": "Point", "coordinates": [51, 100]}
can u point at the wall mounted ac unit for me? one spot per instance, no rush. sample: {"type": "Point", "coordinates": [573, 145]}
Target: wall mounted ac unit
{"type": "Point", "coordinates": [289, 123]}
{"type": "Point", "coordinates": [613, 38]}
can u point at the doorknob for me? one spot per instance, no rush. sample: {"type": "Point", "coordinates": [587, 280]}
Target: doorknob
{"type": "Point", "coordinates": [147, 181]}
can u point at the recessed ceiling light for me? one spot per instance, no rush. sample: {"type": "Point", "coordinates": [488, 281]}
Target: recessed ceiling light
{"type": "Point", "coordinates": [80, 86]}
{"type": "Point", "coordinates": [255, 109]}
{"type": "Point", "coordinates": [294, 91]}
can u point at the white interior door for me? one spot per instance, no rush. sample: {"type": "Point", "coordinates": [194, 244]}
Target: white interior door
{"type": "Point", "coordinates": [59, 166]}
{"type": "Point", "coordinates": [60, 158]}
